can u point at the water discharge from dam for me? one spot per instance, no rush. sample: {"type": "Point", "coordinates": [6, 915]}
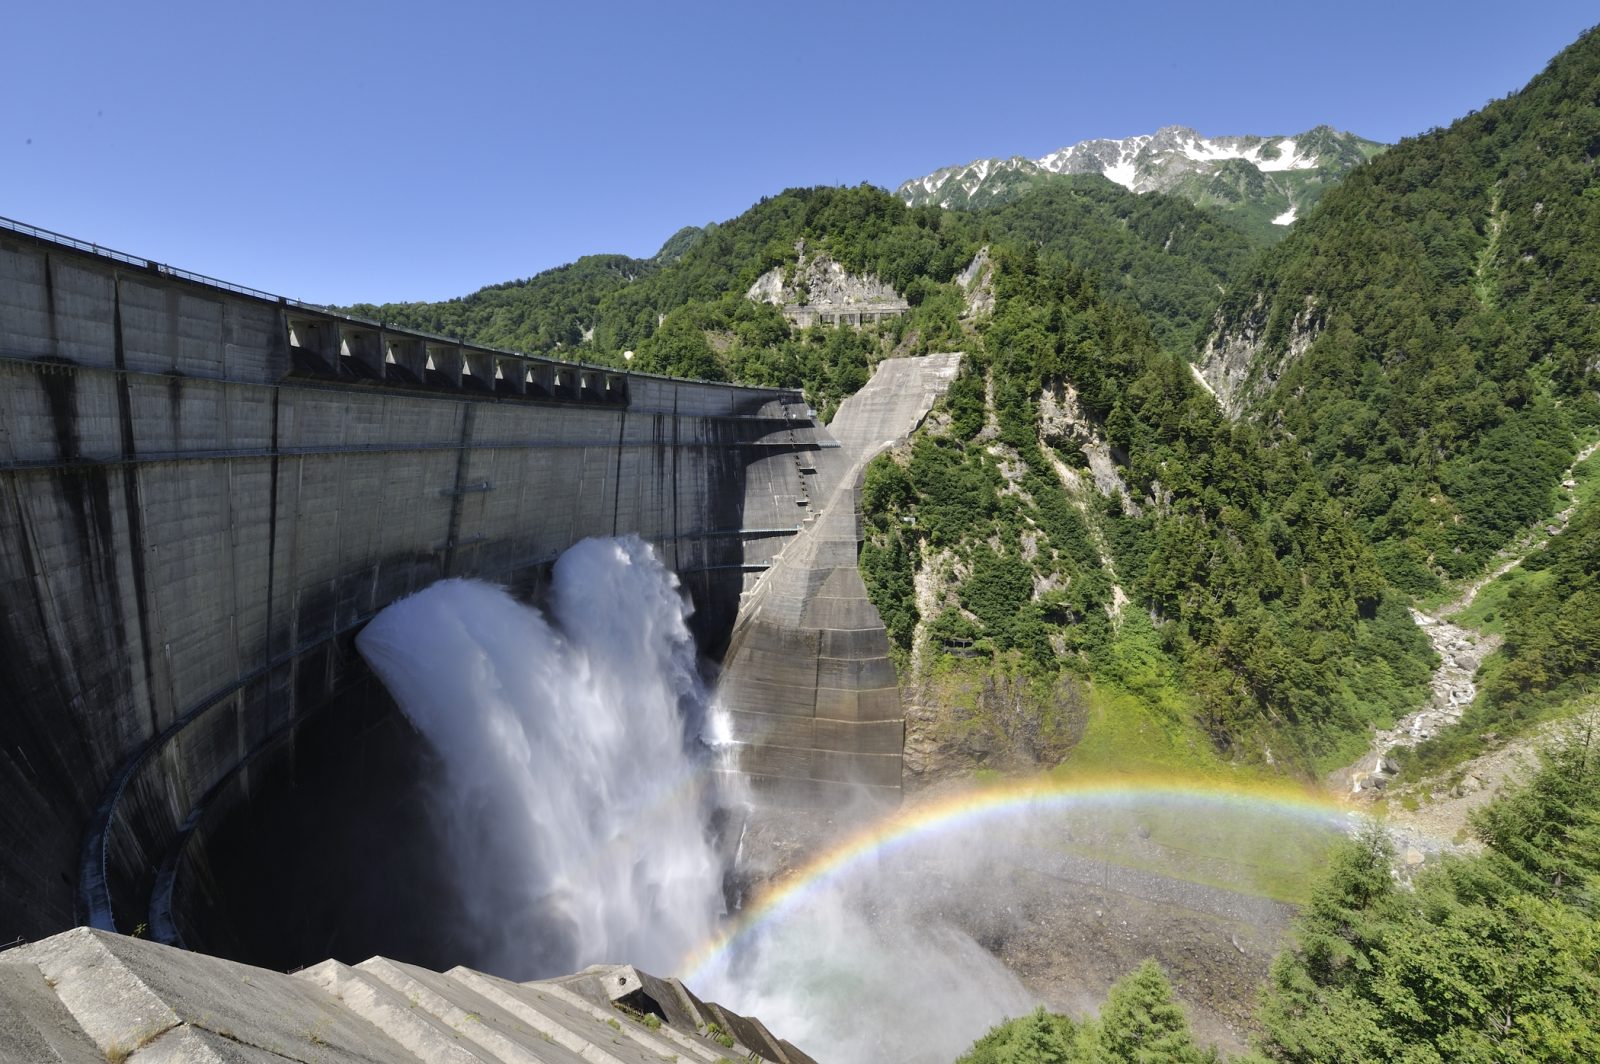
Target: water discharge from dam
{"type": "Point", "coordinates": [576, 802]}
{"type": "Point", "coordinates": [579, 807]}
{"type": "Point", "coordinates": [585, 823]}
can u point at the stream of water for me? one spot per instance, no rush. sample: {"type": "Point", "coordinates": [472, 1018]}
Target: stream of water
{"type": "Point", "coordinates": [574, 748]}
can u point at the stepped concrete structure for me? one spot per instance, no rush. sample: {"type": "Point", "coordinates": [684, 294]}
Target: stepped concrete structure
{"type": "Point", "coordinates": [88, 997]}
{"type": "Point", "coordinates": [808, 683]}
{"type": "Point", "coordinates": [206, 490]}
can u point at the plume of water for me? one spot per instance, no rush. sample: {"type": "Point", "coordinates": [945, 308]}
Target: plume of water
{"type": "Point", "coordinates": [574, 759]}
{"type": "Point", "coordinates": [575, 751]}
{"type": "Point", "coordinates": [881, 964]}
{"type": "Point", "coordinates": [872, 969]}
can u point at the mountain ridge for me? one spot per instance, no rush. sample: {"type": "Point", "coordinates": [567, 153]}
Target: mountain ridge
{"type": "Point", "coordinates": [1261, 182]}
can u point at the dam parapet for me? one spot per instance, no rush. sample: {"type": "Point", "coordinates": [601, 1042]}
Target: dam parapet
{"type": "Point", "coordinates": [206, 490]}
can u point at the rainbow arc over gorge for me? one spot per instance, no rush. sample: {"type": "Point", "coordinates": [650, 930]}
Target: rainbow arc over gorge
{"type": "Point", "coordinates": [968, 808]}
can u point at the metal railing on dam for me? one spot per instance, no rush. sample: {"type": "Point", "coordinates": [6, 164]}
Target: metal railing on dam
{"type": "Point", "coordinates": [205, 490]}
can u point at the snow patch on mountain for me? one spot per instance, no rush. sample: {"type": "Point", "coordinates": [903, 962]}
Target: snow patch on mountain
{"type": "Point", "coordinates": [1175, 159]}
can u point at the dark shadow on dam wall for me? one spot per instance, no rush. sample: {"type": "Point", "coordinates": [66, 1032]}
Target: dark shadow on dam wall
{"type": "Point", "coordinates": [330, 851]}
{"type": "Point", "coordinates": [205, 492]}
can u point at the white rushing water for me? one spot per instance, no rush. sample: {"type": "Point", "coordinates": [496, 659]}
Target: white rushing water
{"type": "Point", "coordinates": [576, 750]}
{"type": "Point", "coordinates": [574, 798]}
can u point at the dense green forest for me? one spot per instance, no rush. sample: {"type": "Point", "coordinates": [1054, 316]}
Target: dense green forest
{"type": "Point", "coordinates": [1494, 957]}
{"type": "Point", "coordinates": [1487, 958]}
{"type": "Point", "coordinates": [1271, 611]}
{"type": "Point", "coordinates": [1157, 253]}
{"type": "Point", "coordinates": [536, 315]}
{"type": "Point", "coordinates": [1449, 294]}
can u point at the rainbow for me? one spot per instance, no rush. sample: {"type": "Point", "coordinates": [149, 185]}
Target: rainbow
{"type": "Point", "coordinates": [973, 807]}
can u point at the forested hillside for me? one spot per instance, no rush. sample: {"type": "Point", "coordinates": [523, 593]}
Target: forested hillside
{"type": "Point", "coordinates": [1077, 466]}
{"type": "Point", "coordinates": [1272, 628]}
{"type": "Point", "coordinates": [1427, 337]}
{"type": "Point", "coordinates": [1156, 252]}
{"type": "Point", "coordinates": [554, 309]}
{"type": "Point", "coordinates": [1416, 361]}
{"type": "Point", "coordinates": [1256, 616]}
{"type": "Point", "coordinates": [684, 312]}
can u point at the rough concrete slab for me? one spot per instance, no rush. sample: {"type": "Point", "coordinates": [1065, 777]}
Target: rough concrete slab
{"type": "Point", "coordinates": [35, 1028]}
{"type": "Point", "coordinates": [195, 1045]}
{"type": "Point", "coordinates": [420, 1034]}
{"type": "Point", "coordinates": [85, 997]}
{"type": "Point", "coordinates": [125, 993]}
{"type": "Point", "coordinates": [597, 1035]}
{"type": "Point", "coordinates": [469, 1014]}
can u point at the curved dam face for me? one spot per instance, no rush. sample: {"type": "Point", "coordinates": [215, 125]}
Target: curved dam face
{"type": "Point", "coordinates": [205, 492]}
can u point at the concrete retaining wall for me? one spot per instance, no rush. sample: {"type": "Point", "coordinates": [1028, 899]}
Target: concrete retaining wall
{"type": "Point", "coordinates": [203, 493]}
{"type": "Point", "coordinates": [809, 684]}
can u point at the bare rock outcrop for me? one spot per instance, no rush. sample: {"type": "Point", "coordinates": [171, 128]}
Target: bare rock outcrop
{"type": "Point", "coordinates": [818, 290]}
{"type": "Point", "coordinates": [977, 282]}
{"type": "Point", "coordinates": [1236, 365]}
{"type": "Point", "coordinates": [1066, 426]}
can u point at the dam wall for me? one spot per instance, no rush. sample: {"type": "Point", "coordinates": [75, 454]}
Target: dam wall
{"type": "Point", "coordinates": [206, 490]}
{"type": "Point", "coordinates": [809, 684]}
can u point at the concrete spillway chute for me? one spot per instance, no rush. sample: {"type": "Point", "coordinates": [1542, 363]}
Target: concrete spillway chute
{"type": "Point", "coordinates": [808, 682]}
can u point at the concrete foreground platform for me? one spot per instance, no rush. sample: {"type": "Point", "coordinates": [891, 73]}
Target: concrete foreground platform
{"type": "Point", "coordinates": [89, 997]}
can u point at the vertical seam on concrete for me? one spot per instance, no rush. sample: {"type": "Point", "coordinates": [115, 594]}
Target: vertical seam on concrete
{"type": "Point", "coordinates": [130, 500]}
{"type": "Point", "coordinates": [677, 451]}
{"type": "Point", "coordinates": [272, 564]}
{"type": "Point", "coordinates": [462, 454]}
{"type": "Point", "coordinates": [616, 494]}
{"type": "Point", "coordinates": [50, 303]}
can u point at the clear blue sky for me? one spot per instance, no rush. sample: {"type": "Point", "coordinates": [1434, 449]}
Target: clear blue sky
{"type": "Point", "coordinates": [341, 152]}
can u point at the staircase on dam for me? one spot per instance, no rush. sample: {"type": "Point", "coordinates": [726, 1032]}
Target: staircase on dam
{"type": "Point", "coordinates": [808, 685]}
{"type": "Point", "coordinates": [88, 997]}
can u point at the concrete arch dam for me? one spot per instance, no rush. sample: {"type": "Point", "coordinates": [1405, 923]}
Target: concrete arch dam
{"type": "Point", "coordinates": [206, 490]}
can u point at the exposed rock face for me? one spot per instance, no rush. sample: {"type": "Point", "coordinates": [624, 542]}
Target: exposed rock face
{"type": "Point", "coordinates": [977, 281]}
{"type": "Point", "coordinates": [823, 292]}
{"type": "Point", "coordinates": [957, 723]}
{"type": "Point", "coordinates": [1236, 365]}
{"type": "Point", "coordinates": [1065, 425]}
{"type": "Point", "coordinates": [1224, 368]}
